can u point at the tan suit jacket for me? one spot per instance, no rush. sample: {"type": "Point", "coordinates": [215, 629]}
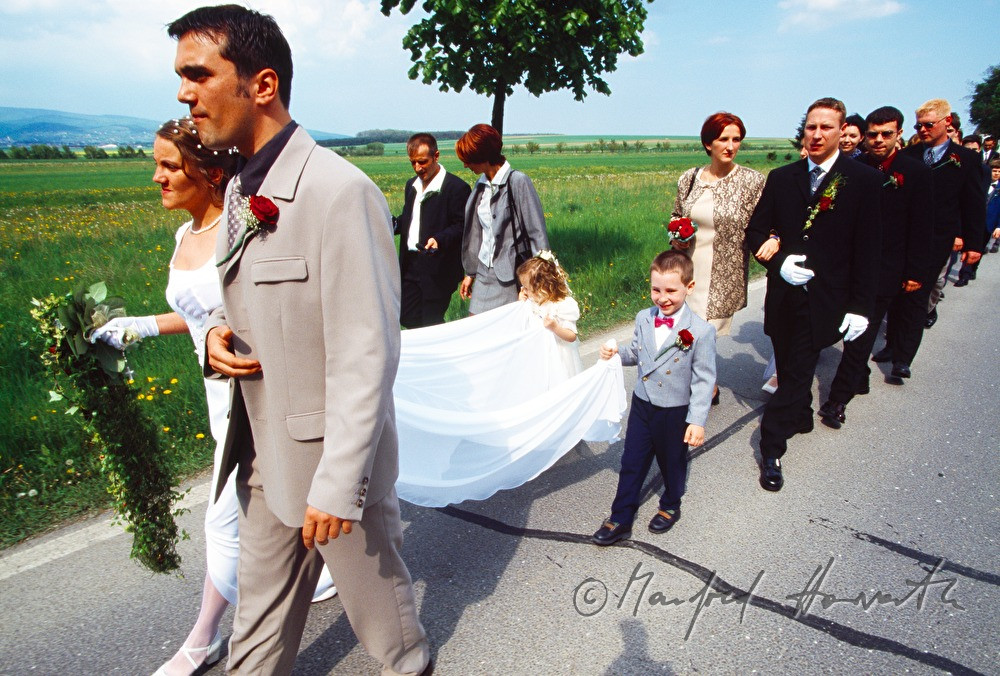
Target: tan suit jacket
{"type": "Point", "coordinates": [315, 299]}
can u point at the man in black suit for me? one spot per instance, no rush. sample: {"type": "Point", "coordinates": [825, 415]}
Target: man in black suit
{"type": "Point", "coordinates": [907, 228]}
{"type": "Point", "coordinates": [989, 151]}
{"type": "Point", "coordinates": [825, 210]}
{"type": "Point", "coordinates": [959, 214]}
{"type": "Point", "coordinates": [430, 235]}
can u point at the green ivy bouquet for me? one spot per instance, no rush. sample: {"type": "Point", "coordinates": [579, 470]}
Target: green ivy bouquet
{"type": "Point", "coordinates": [95, 380]}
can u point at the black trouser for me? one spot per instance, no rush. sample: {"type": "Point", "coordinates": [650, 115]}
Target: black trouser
{"type": "Point", "coordinates": [653, 432]}
{"type": "Point", "coordinates": [908, 312]}
{"type": "Point", "coordinates": [422, 302]}
{"type": "Point", "coordinates": [853, 370]}
{"type": "Point", "coordinates": [790, 408]}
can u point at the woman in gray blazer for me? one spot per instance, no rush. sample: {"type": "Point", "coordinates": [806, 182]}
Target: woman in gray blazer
{"type": "Point", "coordinates": [504, 222]}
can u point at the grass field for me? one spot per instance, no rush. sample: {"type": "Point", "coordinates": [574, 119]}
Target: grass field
{"type": "Point", "coordinates": [67, 222]}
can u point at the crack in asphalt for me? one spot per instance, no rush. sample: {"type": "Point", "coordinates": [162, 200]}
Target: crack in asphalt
{"type": "Point", "coordinates": [910, 552]}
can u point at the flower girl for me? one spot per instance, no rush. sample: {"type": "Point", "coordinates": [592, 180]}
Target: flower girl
{"type": "Point", "coordinates": [544, 289]}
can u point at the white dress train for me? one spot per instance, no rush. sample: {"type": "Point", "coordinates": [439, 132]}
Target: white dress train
{"type": "Point", "coordinates": [477, 412]}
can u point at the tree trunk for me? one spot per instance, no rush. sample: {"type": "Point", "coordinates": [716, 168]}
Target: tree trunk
{"type": "Point", "coordinates": [499, 98]}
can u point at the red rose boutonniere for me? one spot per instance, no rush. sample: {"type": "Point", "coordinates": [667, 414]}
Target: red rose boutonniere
{"type": "Point", "coordinates": [684, 340]}
{"type": "Point", "coordinates": [826, 200]}
{"type": "Point", "coordinates": [681, 229]}
{"type": "Point", "coordinates": [895, 180]}
{"type": "Point", "coordinates": [953, 158]}
{"type": "Point", "coordinates": [256, 212]}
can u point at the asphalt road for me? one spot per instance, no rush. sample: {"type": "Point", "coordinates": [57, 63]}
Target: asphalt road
{"type": "Point", "coordinates": [897, 511]}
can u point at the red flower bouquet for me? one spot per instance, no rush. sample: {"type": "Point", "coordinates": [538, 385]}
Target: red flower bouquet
{"type": "Point", "coordinates": [681, 229]}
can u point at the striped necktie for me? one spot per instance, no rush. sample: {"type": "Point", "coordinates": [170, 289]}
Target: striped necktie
{"type": "Point", "coordinates": [233, 224]}
{"type": "Point", "coordinates": [815, 177]}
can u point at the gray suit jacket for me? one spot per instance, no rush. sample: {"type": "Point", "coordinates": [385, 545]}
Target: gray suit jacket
{"type": "Point", "coordinates": [315, 300]}
{"type": "Point", "coordinates": [529, 216]}
{"type": "Point", "coordinates": [671, 376]}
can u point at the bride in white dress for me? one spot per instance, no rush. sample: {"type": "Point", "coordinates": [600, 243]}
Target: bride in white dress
{"type": "Point", "coordinates": [193, 178]}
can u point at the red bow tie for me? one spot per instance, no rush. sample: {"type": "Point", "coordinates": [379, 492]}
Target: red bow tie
{"type": "Point", "coordinates": [660, 321]}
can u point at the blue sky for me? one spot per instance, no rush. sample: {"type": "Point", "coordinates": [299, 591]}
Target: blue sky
{"type": "Point", "coordinates": [764, 60]}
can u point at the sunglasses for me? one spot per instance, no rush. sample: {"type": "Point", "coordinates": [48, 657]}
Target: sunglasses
{"type": "Point", "coordinates": [926, 125]}
{"type": "Point", "coordinates": [876, 134]}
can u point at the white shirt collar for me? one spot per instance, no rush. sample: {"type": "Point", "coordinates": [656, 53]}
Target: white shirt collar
{"type": "Point", "coordinates": [827, 164]}
{"type": "Point", "coordinates": [433, 186]}
{"type": "Point", "coordinates": [500, 177]}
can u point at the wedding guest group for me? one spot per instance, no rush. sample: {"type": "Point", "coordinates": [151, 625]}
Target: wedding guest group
{"type": "Point", "coordinates": [307, 238]}
{"type": "Point", "coordinates": [430, 235]}
{"type": "Point", "coordinates": [904, 252]}
{"type": "Point", "coordinates": [296, 299]}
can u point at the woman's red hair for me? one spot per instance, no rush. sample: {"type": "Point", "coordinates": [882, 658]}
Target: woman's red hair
{"type": "Point", "coordinates": [716, 124]}
{"type": "Point", "coordinates": [482, 143]}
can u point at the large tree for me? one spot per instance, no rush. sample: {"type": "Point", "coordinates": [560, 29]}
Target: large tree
{"type": "Point", "coordinates": [544, 45]}
{"type": "Point", "coordinates": [984, 110]}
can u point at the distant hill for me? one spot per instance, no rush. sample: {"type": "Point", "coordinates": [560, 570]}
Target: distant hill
{"type": "Point", "coordinates": [27, 126]}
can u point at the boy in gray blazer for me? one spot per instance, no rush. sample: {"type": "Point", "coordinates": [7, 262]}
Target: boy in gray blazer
{"type": "Point", "coordinates": [674, 350]}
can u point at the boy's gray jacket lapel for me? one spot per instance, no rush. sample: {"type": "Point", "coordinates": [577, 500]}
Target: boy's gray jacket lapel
{"type": "Point", "coordinates": [671, 376]}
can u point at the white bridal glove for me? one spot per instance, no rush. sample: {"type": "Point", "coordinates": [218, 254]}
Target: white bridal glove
{"type": "Point", "coordinates": [795, 275]}
{"type": "Point", "coordinates": [855, 325]}
{"type": "Point", "coordinates": [113, 333]}
{"type": "Point", "coordinates": [195, 301]}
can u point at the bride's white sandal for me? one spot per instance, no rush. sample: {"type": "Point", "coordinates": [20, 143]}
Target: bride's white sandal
{"type": "Point", "coordinates": [211, 655]}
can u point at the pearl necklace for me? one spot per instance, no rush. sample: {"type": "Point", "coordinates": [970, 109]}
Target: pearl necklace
{"type": "Point", "coordinates": [205, 228]}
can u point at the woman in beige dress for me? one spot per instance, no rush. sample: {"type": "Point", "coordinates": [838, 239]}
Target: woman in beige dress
{"type": "Point", "coordinates": [719, 198]}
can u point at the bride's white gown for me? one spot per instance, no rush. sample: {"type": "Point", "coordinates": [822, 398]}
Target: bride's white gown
{"type": "Point", "coordinates": [475, 412]}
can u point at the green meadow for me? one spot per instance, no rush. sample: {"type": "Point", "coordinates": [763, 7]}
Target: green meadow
{"type": "Point", "coordinates": [66, 222]}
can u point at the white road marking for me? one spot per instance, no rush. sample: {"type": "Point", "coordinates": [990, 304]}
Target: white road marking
{"type": "Point", "coordinates": [47, 550]}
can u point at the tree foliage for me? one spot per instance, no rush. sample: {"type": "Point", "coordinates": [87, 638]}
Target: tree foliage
{"type": "Point", "coordinates": [984, 110]}
{"type": "Point", "coordinates": [545, 45]}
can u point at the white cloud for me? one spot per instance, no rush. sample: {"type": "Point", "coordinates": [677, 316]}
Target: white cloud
{"type": "Point", "coordinates": [825, 13]}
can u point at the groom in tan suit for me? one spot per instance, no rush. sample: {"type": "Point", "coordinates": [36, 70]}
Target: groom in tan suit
{"type": "Point", "coordinates": [309, 334]}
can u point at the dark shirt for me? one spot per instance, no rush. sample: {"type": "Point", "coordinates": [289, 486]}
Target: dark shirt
{"type": "Point", "coordinates": [253, 171]}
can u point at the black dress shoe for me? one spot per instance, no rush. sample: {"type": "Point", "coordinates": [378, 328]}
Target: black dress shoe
{"type": "Point", "coordinates": [610, 533]}
{"type": "Point", "coordinates": [900, 370]}
{"type": "Point", "coordinates": [931, 318]}
{"type": "Point", "coordinates": [832, 414]}
{"type": "Point", "coordinates": [882, 356]}
{"type": "Point", "coordinates": [663, 521]}
{"type": "Point", "coordinates": [806, 427]}
{"type": "Point", "coordinates": [962, 281]}
{"type": "Point", "coordinates": [770, 474]}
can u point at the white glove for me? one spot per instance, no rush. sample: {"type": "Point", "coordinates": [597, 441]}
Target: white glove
{"type": "Point", "coordinates": [122, 331]}
{"type": "Point", "coordinates": [795, 275]}
{"type": "Point", "coordinates": [198, 301]}
{"type": "Point", "coordinates": [855, 325]}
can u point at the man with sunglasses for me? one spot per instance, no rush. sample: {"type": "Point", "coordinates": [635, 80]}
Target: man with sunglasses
{"type": "Point", "coordinates": [959, 201]}
{"type": "Point", "coordinates": [907, 229]}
